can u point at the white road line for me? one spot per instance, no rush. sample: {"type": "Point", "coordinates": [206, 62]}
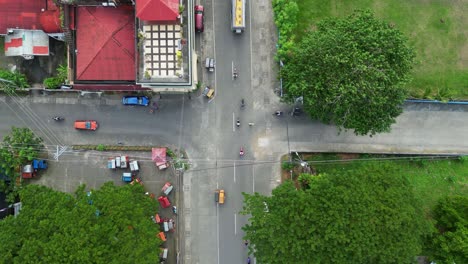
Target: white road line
{"type": "Point", "coordinates": [253, 179]}
{"type": "Point", "coordinates": [217, 228]}
{"type": "Point", "coordinates": [234, 172]}
{"type": "Point", "coordinates": [250, 36]}
{"type": "Point", "coordinates": [235, 224]}
{"type": "Point", "coordinates": [233, 122]}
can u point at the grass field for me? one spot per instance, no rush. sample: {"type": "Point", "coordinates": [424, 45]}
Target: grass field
{"type": "Point", "coordinates": [436, 28]}
{"type": "Point", "coordinates": [431, 179]}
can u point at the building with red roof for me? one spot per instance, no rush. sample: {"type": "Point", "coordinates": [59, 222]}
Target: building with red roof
{"type": "Point", "coordinates": [158, 10]}
{"type": "Point", "coordinates": [29, 14]}
{"type": "Point", "coordinates": [105, 43]}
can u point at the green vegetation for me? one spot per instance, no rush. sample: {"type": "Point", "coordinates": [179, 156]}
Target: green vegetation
{"type": "Point", "coordinates": [437, 30]}
{"type": "Point", "coordinates": [109, 225]}
{"type": "Point", "coordinates": [10, 81]}
{"type": "Point", "coordinates": [17, 149]}
{"type": "Point", "coordinates": [431, 179]}
{"type": "Point", "coordinates": [346, 217]}
{"type": "Point", "coordinates": [61, 78]}
{"type": "Point", "coordinates": [286, 14]}
{"type": "Point", "coordinates": [450, 243]}
{"type": "Point", "coordinates": [350, 72]}
{"type": "Point", "coordinates": [2, 44]}
{"type": "Point", "coordinates": [362, 209]}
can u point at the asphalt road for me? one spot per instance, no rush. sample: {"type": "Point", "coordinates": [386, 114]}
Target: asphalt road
{"type": "Point", "coordinates": [207, 131]}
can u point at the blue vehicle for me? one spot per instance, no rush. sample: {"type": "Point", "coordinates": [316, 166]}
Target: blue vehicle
{"type": "Point", "coordinates": [39, 164]}
{"type": "Point", "coordinates": [127, 177]}
{"type": "Point", "coordinates": [135, 100]}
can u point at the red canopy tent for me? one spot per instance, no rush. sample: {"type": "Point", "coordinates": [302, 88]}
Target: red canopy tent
{"type": "Point", "coordinates": [158, 155]}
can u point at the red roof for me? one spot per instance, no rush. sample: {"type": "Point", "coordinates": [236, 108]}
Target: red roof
{"type": "Point", "coordinates": [29, 14]}
{"type": "Point", "coordinates": [157, 10]}
{"type": "Point", "coordinates": [158, 155]}
{"type": "Point", "coordinates": [109, 87]}
{"type": "Point", "coordinates": [105, 44]}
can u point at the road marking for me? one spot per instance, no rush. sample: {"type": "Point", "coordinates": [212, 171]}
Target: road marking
{"type": "Point", "coordinates": [235, 224]}
{"type": "Point", "coordinates": [233, 122]}
{"type": "Point", "coordinates": [250, 36]}
{"type": "Point", "coordinates": [234, 171]}
{"type": "Point", "coordinates": [217, 228]}
{"type": "Point", "coordinates": [253, 178]}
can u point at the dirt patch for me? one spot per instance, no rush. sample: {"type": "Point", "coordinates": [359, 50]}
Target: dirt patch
{"type": "Point", "coordinates": [348, 156]}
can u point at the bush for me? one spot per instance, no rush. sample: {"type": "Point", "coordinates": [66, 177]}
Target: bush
{"type": "Point", "coordinates": [17, 79]}
{"type": "Point", "coordinates": [100, 147]}
{"type": "Point", "coordinates": [55, 82]}
{"type": "Point", "coordinates": [52, 83]}
{"type": "Point", "coordinates": [463, 159]}
{"type": "Point", "coordinates": [286, 15]}
{"type": "Point", "coordinates": [170, 153]}
{"type": "Point", "coordinates": [286, 165]}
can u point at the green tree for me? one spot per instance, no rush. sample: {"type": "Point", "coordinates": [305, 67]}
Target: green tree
{"type": "Point", "coordinates": [365, 217]}
{"type": "Point", "coordinates": [450, 243]}
{"type": "Point", "coordinates": [11, 80]}
{"type": "Point", "coordinates": [109, 225]}
{"type": "Point", "coordinates": [18, 148]}
{"type": "Point", "coordinates": [350, 72]}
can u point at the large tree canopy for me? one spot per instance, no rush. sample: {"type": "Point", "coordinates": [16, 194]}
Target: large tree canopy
{"type": "Point", "coordinates": [350, 72]}
{"type": "Point", "coordinates": [18, 148]}
{"type": "Point", "coordinates": [345, 218]}
{"type": "Point", "coordinates": [450, 243]}
{"type": "Point", "coordinates": [110, 225]}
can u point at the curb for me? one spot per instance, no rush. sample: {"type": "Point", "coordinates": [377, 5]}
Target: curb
{"type": "Point", "coordinates": [426, 101]}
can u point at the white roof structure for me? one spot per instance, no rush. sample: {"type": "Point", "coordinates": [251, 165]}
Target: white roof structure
{"type": "Point", "coordinates": [26, 43]}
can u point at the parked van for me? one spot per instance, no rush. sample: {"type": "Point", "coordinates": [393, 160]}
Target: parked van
{"type": "Point", "coordinates": [199, 18]}
{"type": "Point", "coordinates": [163, 254]}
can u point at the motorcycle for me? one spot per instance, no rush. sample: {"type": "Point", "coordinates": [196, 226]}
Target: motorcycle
{"type": "Point", "coordinates": [242, 103]}
{"type": "Point", "coordinates": [241, 152]}
{"type": "Point", "coordinates": [58, 118]}
{"type": "Point", "coordinates": [238, 123]}
{"type": "Point", "coordinates": [278, 113]}
{"type": "Point", "coordinates": [235, 74]}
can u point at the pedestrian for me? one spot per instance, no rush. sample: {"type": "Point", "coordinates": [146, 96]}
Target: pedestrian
{"type": "Point", "coordinates": [174, 209]}
{"type": "Point", "coordinates": [246, 243]}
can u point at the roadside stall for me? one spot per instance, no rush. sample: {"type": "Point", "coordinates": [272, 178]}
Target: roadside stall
{"type": "Point", "coordinates": [158, 155]}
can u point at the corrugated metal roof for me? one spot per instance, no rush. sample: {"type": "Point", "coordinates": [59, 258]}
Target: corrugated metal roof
{"type": "Point", "coordinates": [105, 44]}
{"type": "Point", "coordinates": [27, 43]}
{"type": "Point", "coordinates": [29, 14]}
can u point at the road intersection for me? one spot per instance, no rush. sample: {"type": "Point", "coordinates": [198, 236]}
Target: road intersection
{"type": "Point", "coordinates": [207, 132]}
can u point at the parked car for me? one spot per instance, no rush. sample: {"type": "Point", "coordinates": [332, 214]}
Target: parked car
{"type": "Point", "coordinates": [167, 188]}
{"type": "Point", "coordinates": [164, 201]}
{"type": "Point", "coordinates": [199, 18]}
{"type": "Point", "coordinates": [86, 124]}
{"type": "Point", "coordinates": [135, 100]}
